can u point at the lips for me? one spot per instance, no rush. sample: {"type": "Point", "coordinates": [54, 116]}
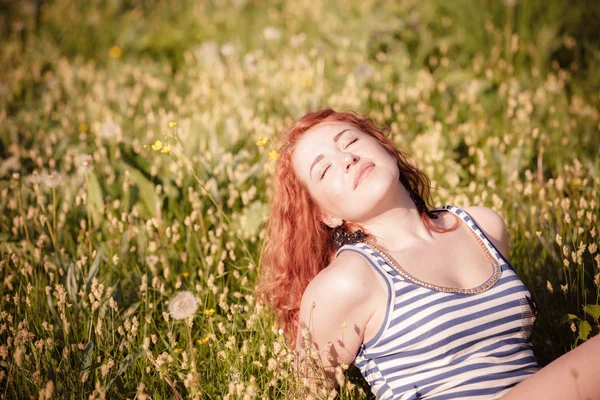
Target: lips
{"type": "Point", "coordinates": [364, 168]}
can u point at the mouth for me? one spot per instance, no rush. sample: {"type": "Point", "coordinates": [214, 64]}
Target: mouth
{"type": "Point", "coordinates": [364, 170]}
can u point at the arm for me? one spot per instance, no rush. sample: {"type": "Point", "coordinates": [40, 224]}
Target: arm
{"type": "Point", "coordinates": [333, 314]}
{"type": "Point", "coordinates": [572, 376]}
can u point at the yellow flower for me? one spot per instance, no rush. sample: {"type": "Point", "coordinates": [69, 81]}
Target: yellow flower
{"type": "Point", "coordinates": [166, 149]}
{"type": "Point", "coordinates": [177, 350]}
{"type": "Point", "coordinates": [185, 274]}
{"type": "Point", "coordinates": [306, 81]}
{"type": "Point", "coordinates": [209, 311]}
{"type": "Point", "coordinates": [261, 141]}
{"type": "Point", "coordinates": [157, 146]}
{"type": "Point", "coordinates": [273, 155]}
{"type": "Point", "coordinates": [172, 124]}
{"type": "Point", "coordinates": [83, 127]}
{"type": "Point", "coordinates": [115, 52]}
{"type": "Point", "coordinates": [204, 339]}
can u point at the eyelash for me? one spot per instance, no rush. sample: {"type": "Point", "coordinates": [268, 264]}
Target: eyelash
{"type": "Point", "coordinates": [323, 174]}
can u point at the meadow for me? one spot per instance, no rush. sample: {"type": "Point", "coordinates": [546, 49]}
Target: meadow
{"type": "Point", "coordinates": [138, 141]}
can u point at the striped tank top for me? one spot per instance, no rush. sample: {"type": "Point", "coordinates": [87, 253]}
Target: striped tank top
{"type": "Point", "coordinates": [448, 345]}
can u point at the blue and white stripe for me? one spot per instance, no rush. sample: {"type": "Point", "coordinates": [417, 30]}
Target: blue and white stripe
{"type": "Point", "coordinates": [440, 345]}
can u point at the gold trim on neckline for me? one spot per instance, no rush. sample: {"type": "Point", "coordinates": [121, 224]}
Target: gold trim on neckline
{"type": "Point", "coordinates": [496, 270]}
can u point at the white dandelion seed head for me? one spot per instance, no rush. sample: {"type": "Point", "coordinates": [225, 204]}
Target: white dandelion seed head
{"type": "Point", "coordinates": [271, 33]}
{"type": "Point", "coordinates": [228, 49]}
{"type": "Point", "coordinates": [51, 180]}
{"type": "Point", "coordinates": [183, 305]}
{"type": "Point", "coordinates": [86, 163]}
{"type": "Point", "coordinates": [34, 178]}
{"type": "Point", "coordinates": [110, 130]}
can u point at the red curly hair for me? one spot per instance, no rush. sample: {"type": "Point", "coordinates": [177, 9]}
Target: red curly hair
{"type": "Point", "coordinates": [298, 245]}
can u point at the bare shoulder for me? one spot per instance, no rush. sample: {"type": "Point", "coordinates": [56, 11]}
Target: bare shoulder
{"type": "Point", "coordinates": [346, 281]}
{"type": "Point", "coordinates": [493, 225]}
{"type": "Point", "coordinates": [339, 297]}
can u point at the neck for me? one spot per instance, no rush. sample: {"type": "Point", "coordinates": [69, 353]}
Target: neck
{"type": "Point", "coordinates": [399, 225]}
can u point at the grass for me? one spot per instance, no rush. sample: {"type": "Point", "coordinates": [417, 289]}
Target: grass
{"type": "Point", "coordinates": [496, 101]}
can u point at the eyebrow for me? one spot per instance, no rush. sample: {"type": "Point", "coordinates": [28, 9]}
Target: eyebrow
{"type": "Point", "coordinates": [320, 156]}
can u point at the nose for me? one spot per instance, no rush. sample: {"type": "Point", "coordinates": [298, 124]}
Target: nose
{"type": "Point", "coordinates": [350, 159]}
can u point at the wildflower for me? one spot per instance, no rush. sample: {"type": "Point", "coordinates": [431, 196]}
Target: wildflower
{"type": "Point", "coordinates": [51, 180]}
{"type": "Point", "coordinates": [177, 350]}
{"type": "Point", "coordinates": [559, 239]}
{"type": "Point", "coordinates": [83, 127]}
{"type": "Point", "coordinates": [306, 81]}
{"type": "Point", "coordinates": [204, 339]}
{"type": "Point", "coordinates": [166, 149]}
{"type": "Point", "coordinates": [86, 163]}
{"type": "Point", "coordinates": [157, 146]}
{"type": "Point", "coordinates": [185, 274]}
{"type": "Point", "coordinates": [271, 33]}
{"type": "Point", "coordinates": [273, 155]}
{"type": "Point", "coordinates": [228, 49]}
{"type": "Point", "coordinates": [592, 248]}
{"type": "Point", "coordinates": [172, 124]}
{"type": "Point", "coordinates": [110, 129]}
{"type": "Point", "coordinates": [183, 305]}
{"type": "Point", "coordinates": [208, 312]}
{"type": "Point", "coordinates": [34, 178]}
{"type": "Point", "coordinates": [549, 287]}
{"type": "Point", "coordinates": [261, 141]}
{"type": "Point", "coordinates": [115, 52]}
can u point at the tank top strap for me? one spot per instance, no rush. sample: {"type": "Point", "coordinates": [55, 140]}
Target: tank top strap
{"type": "Point", "coordinates": [477, 229]}
{"type": "Point", "coordinates": [374, 259]}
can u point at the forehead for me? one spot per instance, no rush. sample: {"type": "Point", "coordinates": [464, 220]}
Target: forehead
{"type": "Point", "coordinates": [320, 135]}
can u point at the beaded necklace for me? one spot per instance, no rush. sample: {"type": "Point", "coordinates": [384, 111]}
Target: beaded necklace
{"type": "Point", "coordinates": [479, 289]}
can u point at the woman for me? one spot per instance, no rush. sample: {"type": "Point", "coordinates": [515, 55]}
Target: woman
{"type": "Point", "coordinates": [424, 302]}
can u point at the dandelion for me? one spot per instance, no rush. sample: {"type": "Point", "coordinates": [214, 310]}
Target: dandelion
{"type": "Point", "coordinates": [110, 129]}
{"type": "Point", "coordinates": [86, 163]}
{"type": "Point", "coordinates": [51, 180]}
{"type": "Point", "coordinates": [115, 52]}
{"type": "Point", "coordinates": [208, 312]}
{"type": "Point", "coordinates": [273, 155]}
{"type": "Point", "coordinates": [34, 178]}
{"type": "Point", "coordinates": [228, 49]}
{"type": "Point", "coordinates": [271, 33]}
{"type": "Point", "coordinates": [183, 305]}
{"type": "Point", "coordinates": [172, 124]}
{"type": "Point", "coordinates": [261, 141]}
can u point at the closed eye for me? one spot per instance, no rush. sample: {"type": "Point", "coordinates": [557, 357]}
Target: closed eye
{"type": "Point", "coordinates": [323, 174]}
{"type": "Point", "coordinates": [350, 143]}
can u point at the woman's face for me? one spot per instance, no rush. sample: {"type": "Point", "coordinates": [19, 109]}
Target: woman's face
{"type": "Point", "coordinates": [328, 159]}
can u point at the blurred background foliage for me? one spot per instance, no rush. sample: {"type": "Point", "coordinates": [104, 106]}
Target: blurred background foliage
{"type": "Point", "coordinates": [498, 102]}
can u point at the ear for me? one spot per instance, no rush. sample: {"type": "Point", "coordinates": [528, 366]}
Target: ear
{"type": "Point", "coordinates": [330, 221]}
